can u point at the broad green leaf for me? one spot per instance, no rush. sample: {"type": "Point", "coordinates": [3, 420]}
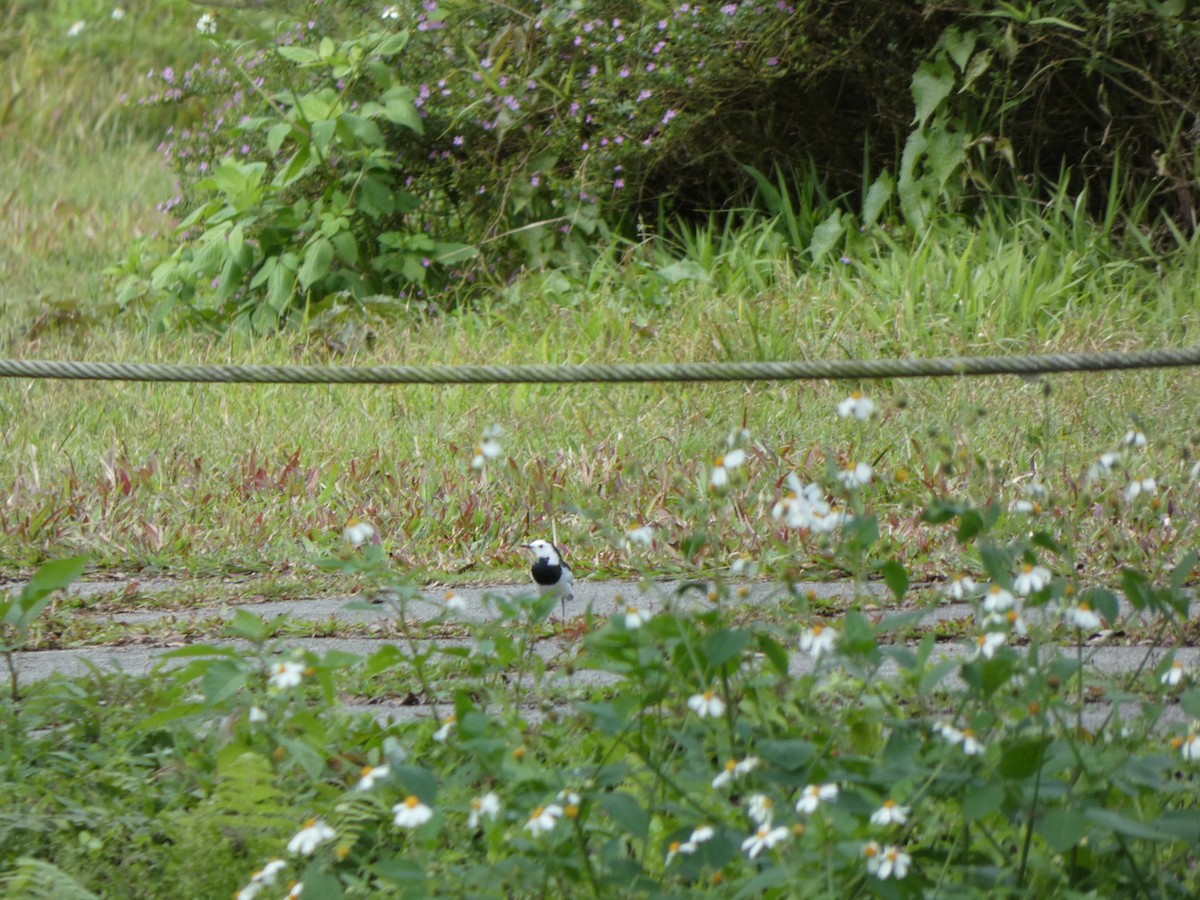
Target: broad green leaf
{"type": "Point", "coordinates": [684, 270]}
{"type": "Point", "coordinates": [392, 44]}
{"type": "Point", "coordinates": [959, 46]}
{"type": "Point", "coordinates": [301, 55]}
{"type": "Point", "coordinates": [1120, 824]}
{"type": "Point", "coordinates": [1062, 829]}
{"type": "Point", "coordinates": [1190, 702]}
{"type": "Point", "coordinates": [1021, 759]}
{"type": "Point", "coordinates": [397, 871]}
{"type": "Point", "coordinates": [789, 755]}
{"type": "Point", "coordinates": [970, 523]}
{"type": "Point", "coordinates": [222, 679]}
{"type": "Point", "coordinates": [627, 813]}
{"type": "Point", "coordinates": [52, 576]}
{"type": "Point", "coordinates": [826, 236]}
{"type": "Point", "coordinates": [896, 578]}
{"type": "Point", "coordinates": [878, 194]}
{"type": "Point", "coordinates": [931, 84]}
{"type": "Point", "coordinates": [318, 258]}
{"type": "Point", "coordinates": [725, 645]}
{"type": "Point", "coordinates": [981, 802]}
{"type": "Point", "coordinates": [249, 626]}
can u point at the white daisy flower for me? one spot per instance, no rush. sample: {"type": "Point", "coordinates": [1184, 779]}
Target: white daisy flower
{"type": "Point", "coordinates": [764, 839]}
{"type": "Point", "coordinates": [891, 813]}
{"type": "Point", "coordinates": [642, 535]}
{"type": "Point", "coordinates": [706, 704]}
{"type": "Point", "coordinates": [813, 795]}
{"type": "Point", "coordinates": [760, 809]}
{"type": "Point", "coordinates": [1173, 675]}
{"type": "Point", "coordinates": [389, 13]}
{"type": "Point", "coordinates": [314, 833]}
{"type": "Point", "coordinates": [987, 644]}
{"type": "Point", "coordinates": [856, 406]}
{"type": "Point", "coordinates": [1031, 579]}
{"type": "Point", "coordinates": [723, 465]}
{"type": "Point", "coordinates": [443, 733]}
{"type": "Point", "coordinates": [1139, 486]}
{"type": "Point", "coordinates": [487, 805]}
{"type": "Point", "coordinates": [207, 24]}
{"type": "Point", "coordinates": [636, 617]}
{"type": "Point", "coordinates": [412, 813]}
{"type": "Point", "coordinates": [357, 533]}
{"type": "Point", "coordinates": [733, 770]}
{"type": "Point", "coordinates": [1082, 617]}
{"type": "Point", "coordinates": [370, 776]}
{"type": "Point", "coordinates": [76, 29]}
{"type": "Point", "coordinates": [959, 587]}
{"type": "Point", "coordinates": [893, 863]}
{"type": "Point", "coordinates": [997, 599]}
{"type": "Point", "coordinates": [856, 476]}
{"type": "Point", "coordinates": [818, 640]}
{"type": "Point", "coordinates": [286, 675]}
{"type": "Point", "coordinates": [543, 819]}
{"type": "Point", "coordinates": [1134, 438]}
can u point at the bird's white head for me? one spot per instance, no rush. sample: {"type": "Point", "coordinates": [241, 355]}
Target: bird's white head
{"type": "Point", "coordinates": [544, 550]}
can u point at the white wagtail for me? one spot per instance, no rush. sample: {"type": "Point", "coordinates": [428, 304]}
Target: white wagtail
{"type": "Point", "coordinates": [551, 573]}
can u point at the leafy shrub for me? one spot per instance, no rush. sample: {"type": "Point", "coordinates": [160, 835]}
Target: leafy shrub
{"type": "Point", "coordinates": [482, 139]}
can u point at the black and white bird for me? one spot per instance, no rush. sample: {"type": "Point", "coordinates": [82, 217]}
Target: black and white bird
{"type": "Point", "coordinates": [551, 573]}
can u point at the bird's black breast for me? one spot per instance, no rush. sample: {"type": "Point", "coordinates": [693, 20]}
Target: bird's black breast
{"type": "Point", "coordinates": [546, 573]}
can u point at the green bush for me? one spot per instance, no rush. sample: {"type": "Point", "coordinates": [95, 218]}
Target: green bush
{"type": "Point", "coordinates": [483, 138]}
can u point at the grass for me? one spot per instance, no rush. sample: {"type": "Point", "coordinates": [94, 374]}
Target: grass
{"type": "Point", "coordinates": [172, 784]}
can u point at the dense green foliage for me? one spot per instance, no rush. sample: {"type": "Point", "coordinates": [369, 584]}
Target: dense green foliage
{"type": "Point", "coordinates": [418, 154]}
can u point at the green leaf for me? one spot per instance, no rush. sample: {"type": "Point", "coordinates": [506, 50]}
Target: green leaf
{"type": "Point", "coordinates": [826, 236]}
{"type": "Point", "coordinates": [1119, 824]}
{"type": "Point", "coordinates": [322, 133]}
{"type": "Point", "coordinates": [896, 578]}
{"type": "Point", "coordinates": [392, 44]}
{"type": "Point", "coordinates": [775, 653]}
{"type": "Point", "coordinates": [249, 626]}
{"type": "Point", "coordinates": [931, 84]}
{"type": "Point", "coordinates": [981, 802]}
{"type": "Point", "coordinates": [878, 194]}
{"type": "Point", "coordinates": [626, 813]}
{"type": "Point", "coordinates": [1062, 829]}
{"type": "Point", "coordinates": [980, 63]}
{"type": "Point", "coordinates": [941, 511]}
{"type": "Point", "coordinates": [222, 679]}
{"type": "Point", "coordinates": [318, 258]}
{"type": "Point", "coordinates": [684, 270]}
{"type": "Point", "coordinates": [789, 755]}
{"type": "Point", "coordinates": [1104, 602]}
{"type": "Point", "coordinates": [52, 576]}
{"type": "Point", "coordinates": [970, 523]}
{"type": "Point", "coordinates": [724, 646]}
{"type": "Point", "coordinates": [300, 55]}
{"type": "Point", "coordinates": [309, 759]}
{"type": "Point", "coordinates": [397, 871]}
{"type": "Point", "coordinates": [959, 46]}
{"type": "Point", "coordinates": [277, 134]}
{"type": "Point", "coordinates": [1183, 571]}
{"type": "Point", "coordinates": [319, 884]}
{"type": "Point", "coordinates": [1189, 700]}
{"type": "Point", "coordinates": [1023, 758]}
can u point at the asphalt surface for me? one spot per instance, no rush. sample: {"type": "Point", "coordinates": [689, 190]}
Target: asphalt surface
{"type": "Point", "coordinates": [479, 604]}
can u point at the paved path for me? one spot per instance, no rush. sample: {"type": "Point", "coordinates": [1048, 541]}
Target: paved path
{"type": "Point", "coordinates": [604, 598]}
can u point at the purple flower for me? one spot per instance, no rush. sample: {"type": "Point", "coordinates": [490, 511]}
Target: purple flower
{"type": "Point", "coordinates": [729, 9]}
{"type": "Point", "coordinates": [668, 116]}
{"type": "Point", "coordinates": [624, 73]}
{"type": "Point", "coordinates": [618, 184]}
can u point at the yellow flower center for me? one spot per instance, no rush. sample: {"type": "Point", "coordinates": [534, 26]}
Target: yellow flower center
{"type": "Point", "coordinates": [870, 852]}
{"type": "Point", "coordinates": [888, 804]}
{"type": "Point", "coordinates": [1027, 568]}
{"type": "Point", "coordinates": [411, 802]}
{"type": "Point", "coordinates": [537, 813]}
{"type": "Point", "coordinates": [857, 395]}
{"type": "Point", "coordinates": [817, 629]}
{"type": "Point", "coordinates": [342, 851]}
{"type": "Point", "coordinates": [968, 732]}
{"type": "Point", "coordinates": [730, 766]}
{"type": "Point", "coordinates": [674, 846]}
{"type": "Point", "coordinates": [572, 811]}
{"type": "Point", "coordinates": [1084, 607]}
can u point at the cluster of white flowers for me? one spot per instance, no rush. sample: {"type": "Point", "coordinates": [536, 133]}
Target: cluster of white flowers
{"type": "Point", "coordinates": [488, 448]}
{"type": "Point", "coordinates": [804, 506]}
{"type": "Point", "coordinates": [263, 878]}
{"type": "Point", "coordinates": [971, 745]}
{"type": "Point", "coordinates": [688, 847]}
